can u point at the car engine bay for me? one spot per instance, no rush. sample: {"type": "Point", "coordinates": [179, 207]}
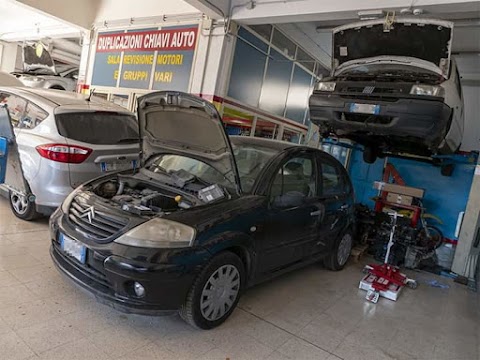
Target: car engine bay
{"type": "Point", "coordinates": [143, 196]}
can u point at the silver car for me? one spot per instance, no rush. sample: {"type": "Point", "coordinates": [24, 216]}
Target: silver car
{"type": "Point", "coordinates": [64, 79]}
{"type": "Point", "coordinates": [64, 140]}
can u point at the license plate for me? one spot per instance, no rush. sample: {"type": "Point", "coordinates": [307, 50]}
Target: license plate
{"type": "Point", "coordinates": [365, 108]}
{"type": "Point", "coordinates": [118, 166]}
{"type": "Point", "coordinates": [73, 248]}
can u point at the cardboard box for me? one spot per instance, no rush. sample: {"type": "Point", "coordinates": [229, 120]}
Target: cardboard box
{"type": "Point", "coordinates": [399, 189]}
{"type": "Point", "coordinates": [399, 199]}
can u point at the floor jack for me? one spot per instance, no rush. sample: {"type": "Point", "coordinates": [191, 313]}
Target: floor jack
{"type": "Point", "coordinates": [385, 280]}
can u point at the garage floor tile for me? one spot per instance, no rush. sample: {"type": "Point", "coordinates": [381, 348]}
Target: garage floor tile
{"type": "Point", "coordinates": [49, 334]}
{"type": "Point", "coordinates": [308, 314]}
{"type": "Point", "coordinates": [12, 347]}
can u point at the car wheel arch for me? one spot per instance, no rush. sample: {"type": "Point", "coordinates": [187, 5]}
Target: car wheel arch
{"type": "Point", "coordinates": [237, 243]}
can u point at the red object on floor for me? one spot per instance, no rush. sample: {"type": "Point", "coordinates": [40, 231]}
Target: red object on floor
{"type": "Point", "coordinates": [386, 274]}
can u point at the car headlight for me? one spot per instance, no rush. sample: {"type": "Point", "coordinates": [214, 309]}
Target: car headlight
{"type": "Point", "coordinates": [427, 90]}
{"type": "Point", "coordinates": [33, 78]}
{"type": "Point", "coordinates": [325, 86]}
{"type": "Point", "coordinates": [159, 233]}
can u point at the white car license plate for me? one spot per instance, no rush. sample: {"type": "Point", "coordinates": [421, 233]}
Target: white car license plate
{"type": "Point", "coordinates": [365, 108]}
{"type": "Point", "coordinates": [118, 166]}
{"type": "Point", "coordinates": [73, 248]}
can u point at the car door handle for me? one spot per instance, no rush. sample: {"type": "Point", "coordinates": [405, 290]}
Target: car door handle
{"type": "Point", "coordinates": [316, 213]}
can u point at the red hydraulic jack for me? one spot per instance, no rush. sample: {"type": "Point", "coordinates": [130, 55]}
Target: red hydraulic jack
{"type": "Point", "coordinates": [385, 280]}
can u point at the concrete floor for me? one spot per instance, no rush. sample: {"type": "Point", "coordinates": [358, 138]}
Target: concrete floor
{"type": "Point", "coordinates": [309, 314]}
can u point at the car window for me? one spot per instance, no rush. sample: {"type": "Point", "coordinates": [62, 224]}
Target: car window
{"type": "Point", "coordinates": [295, 178]}
{"type": "Point", "coordinates": [169, 164]}
{"type": "Point", "coordinates": [251, 160]}
{"type": "Point", "coordinates": [98, 127]}
{"type": "Point", "coordinates": [16, 106]}
{"type": "Point", "coordinates": [332, 182]}
{"type": "Point", "coordinates": [33, 116]}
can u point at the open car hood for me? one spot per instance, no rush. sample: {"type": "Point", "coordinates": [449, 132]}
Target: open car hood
{"type": "Point", "coordinates": [32, 62]}
{"type": "Point", "coordinates": [178, 123]}
{"type": "Point", "coordinates": [426, 39]}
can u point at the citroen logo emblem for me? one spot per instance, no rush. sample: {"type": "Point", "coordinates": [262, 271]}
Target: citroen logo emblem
{"type": "Point", "coordinates": [89, 213]}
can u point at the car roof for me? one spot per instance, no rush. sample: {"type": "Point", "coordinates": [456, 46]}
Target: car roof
{"type": "Point", "coordinates": [55, 98]}
{"type": "Point", "coordinates": [263, 142]}
{"type": "Point", "coordinates": [7, 79]}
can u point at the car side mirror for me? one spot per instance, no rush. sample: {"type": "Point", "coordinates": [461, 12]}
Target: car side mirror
{"type": "Point", "coordinates": [289, 200]}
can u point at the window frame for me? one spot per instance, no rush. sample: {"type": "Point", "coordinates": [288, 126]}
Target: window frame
{"type": "Point", "coordinates": [346, 185]}
{"type": "Point", "coordinates": [40, 108]}
{"type": "Point", "coordinates": [9, 94]}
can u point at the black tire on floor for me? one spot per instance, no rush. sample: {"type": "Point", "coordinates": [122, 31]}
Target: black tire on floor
{"type": "Point", "coordinates": [369, 154]}
{"type": "Point", "coordinates": [191, 310]}
{"type": "Point", "coordinates": [21, 208]}
{"type": "Point", "coordinates": [331, 262]}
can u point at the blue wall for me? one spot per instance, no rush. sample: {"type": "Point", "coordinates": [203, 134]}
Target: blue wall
{"type": "Point", "coordinates": [444, 197]}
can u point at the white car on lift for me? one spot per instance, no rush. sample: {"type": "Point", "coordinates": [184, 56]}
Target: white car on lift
{"type": "Point", "coordinates": [63, 140]}
{"type": "Point", "coordinates": [394, 88]}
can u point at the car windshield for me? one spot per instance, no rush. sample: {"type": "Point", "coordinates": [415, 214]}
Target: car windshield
{"type": "Point", "coordinates": [177, 164]}
{"type": "Point", "coordinates": [251, 159]}
{"type": "Point", "coordinates": [99, 127]}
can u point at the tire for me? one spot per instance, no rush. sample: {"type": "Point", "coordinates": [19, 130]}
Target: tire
{"type": "Point", "coordinates": [22, 208]}
{"type": "Point", "coordinates": [369, 155]}
{"type": "Point", "coordinates": [436, 239]}
{"type": "Point", "coordinates": [338, 258]}
{"type": "Point", "coordinates": [227, 266]}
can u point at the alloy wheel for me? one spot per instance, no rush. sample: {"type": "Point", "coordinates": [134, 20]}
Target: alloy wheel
{"type": "Point", "coordinates": [220, 292]}
{"type": "Point", "coordinates": [19, 203]}
{"type": "Point", "coordinates": [344, 249]}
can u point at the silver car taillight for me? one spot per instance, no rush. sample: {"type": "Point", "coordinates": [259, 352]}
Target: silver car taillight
{"type": "Point", "coordinates": [64, 153]}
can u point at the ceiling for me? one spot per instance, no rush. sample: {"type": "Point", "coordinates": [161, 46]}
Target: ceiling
{"type": "Point", "coordinates": [317, 39]}
{"type": "Point", "coordinates": [20, 22]}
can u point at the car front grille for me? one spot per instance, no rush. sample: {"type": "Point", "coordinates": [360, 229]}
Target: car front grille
{"type": "Point", "coordinates": [370, 90]}
{"type": "Point", "coordinates": [96, 225]}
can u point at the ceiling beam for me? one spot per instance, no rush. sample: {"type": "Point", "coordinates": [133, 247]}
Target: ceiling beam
{"type": "Point", "coordinates": [214, 9]}
{"type": "Point", "coordinates": [290, 11]}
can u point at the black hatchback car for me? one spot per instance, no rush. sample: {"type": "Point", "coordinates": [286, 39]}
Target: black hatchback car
{"type": "Point", "coordinates": [203, 218]}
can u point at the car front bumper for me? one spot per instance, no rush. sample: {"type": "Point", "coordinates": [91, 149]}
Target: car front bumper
{"type": "Point", "coordinates": [109, 278]}
{"type": "Point", "coordinates": [426, 120]}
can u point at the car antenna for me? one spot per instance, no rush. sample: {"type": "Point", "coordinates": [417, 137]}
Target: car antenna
{"type": "Point", "coordinates": [90, 95]}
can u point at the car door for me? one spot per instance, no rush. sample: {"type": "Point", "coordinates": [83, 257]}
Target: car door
{"type": "Point", "coordinates": [338, 203]}
{"type": "Point", "coordinates": [292, 217]}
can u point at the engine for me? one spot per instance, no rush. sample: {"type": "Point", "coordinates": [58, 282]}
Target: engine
{"type": "Point", "coordinates": [139, 198]}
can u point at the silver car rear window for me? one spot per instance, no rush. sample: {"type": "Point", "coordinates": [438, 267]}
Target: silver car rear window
{"type": "Point", "coordinates": [100, 128]}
